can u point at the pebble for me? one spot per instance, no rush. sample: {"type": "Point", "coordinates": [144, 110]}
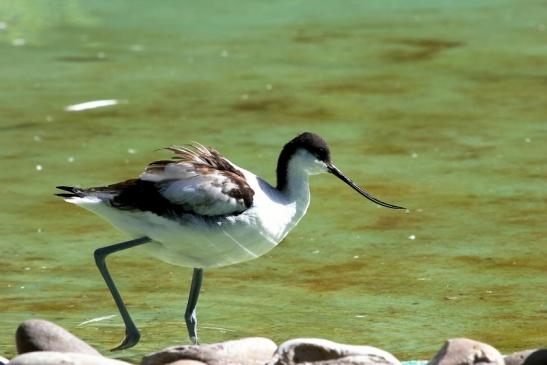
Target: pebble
{"type": "Point", "coordinates": [246, 351]}
{"type": "Point", "coordinates": [527, 357]}
{"type": "Point", "coordinates": [517, 358]}
{"type": "Point", "coordinates": [63, 358]}
{"type": "Point", "coordinates": [464, 351]}
{"type": "Point", "coordinates": [41, 335]}
{"type": "Point", "coordinates": [318, 351]}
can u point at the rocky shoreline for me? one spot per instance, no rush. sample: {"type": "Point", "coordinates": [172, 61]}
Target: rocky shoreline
{"type": "Point", "coordinates": [40, 342]}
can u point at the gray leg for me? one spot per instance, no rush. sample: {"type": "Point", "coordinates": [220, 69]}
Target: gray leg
{"type": "Point", "coordinates": [132, 334]}
{"type": "Point", "coordinates": [190, 315]}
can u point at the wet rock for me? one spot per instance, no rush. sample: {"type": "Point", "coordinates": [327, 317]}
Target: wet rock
{"type": "Point", "coordinates": [41, 335]}
{"type": "Point", "coordinates": [463, 351]}
{"type": "Point", "coordinates": [517, 358]}
{"type": "Point", "coordinates": [63, 358]}
{"type": "Point", "coordinates": [324, 352]}
{"type": "Point", "coordinates": [3, 360]}
{"type": "Point", "coordinates": [246, 351]}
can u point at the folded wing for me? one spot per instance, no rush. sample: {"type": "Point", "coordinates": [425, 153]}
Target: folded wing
{"type": "Point", "coordinates": [201, 181]}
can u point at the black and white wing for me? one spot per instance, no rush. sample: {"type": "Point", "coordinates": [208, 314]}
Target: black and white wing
{"type": "Point", "coordinates": [197, 180]}
{"type": "Point", "coordinates": [201, 181]}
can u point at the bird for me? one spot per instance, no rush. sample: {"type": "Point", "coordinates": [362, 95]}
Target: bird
{"type": "Point", "coordinates": [199, 210]}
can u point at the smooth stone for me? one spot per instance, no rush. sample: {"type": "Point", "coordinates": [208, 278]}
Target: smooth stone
{"type": "Point", "coordinates": [323, 352]}
{"type": "Point", "coordinates": [246, 351]}
{"type": "Point", "coordinates": [517, 358]}
{"type": "Point", "coordinates": [538, 357]}
{"type": "Point", "coordinates": [464, 351]}
{"type": "Point", "coordinates": [3, 360]}
{"type": "Point", "coordinates": [42, 335]}
{"type": "Point", "coordinates": [63, 358]}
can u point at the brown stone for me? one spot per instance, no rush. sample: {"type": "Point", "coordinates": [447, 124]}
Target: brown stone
{"type": "Point", "coordinates": [463, 351]}
{"type": "Point", "coordinates": [41, 335]}
{"type": "Point", "coordinates": [517, 358]}
{"type": "Point", "coordinates": [323, 352]}
{"type": "Point", "coordinates": [246, 351]}
{"type": "Point", "coordinates": [63, 358]}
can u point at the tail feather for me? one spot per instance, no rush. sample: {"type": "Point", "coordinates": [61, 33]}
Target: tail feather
{"type": "Point", "coordinates": [73, 192]}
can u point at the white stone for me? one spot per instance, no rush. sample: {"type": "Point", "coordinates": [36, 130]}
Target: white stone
{"type": "Point", "coordinates": [324, 352]}
{"type": "Point", "coordinates": [246, 351]}
{"type": "Point", "coordinates": [464, 351]}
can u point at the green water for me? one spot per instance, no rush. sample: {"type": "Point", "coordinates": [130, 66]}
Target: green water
{"type": "Point", "coordinates": [439, 106]}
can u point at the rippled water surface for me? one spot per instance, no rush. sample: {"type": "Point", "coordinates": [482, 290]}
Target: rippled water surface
{"type": "Point", "coordinates": [435, 105]}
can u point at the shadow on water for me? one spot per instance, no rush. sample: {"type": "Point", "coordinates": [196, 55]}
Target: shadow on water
{"type": "Point", "coordinates": [418, 49]}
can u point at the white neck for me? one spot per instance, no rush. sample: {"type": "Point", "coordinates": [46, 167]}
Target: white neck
{"type": "Point", "coordinates": [299, 168]}
{"type": "Point", "coordinates": [293, 183]}
{"type": "Point", "coordinates": [298, 188]}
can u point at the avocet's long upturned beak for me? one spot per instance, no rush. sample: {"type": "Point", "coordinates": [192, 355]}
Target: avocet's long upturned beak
{"type": "Point", "coordinates": [333, 170]}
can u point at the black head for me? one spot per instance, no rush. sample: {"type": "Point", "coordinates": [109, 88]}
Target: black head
{"type": "Point", "coordinates": [311, 142]}
{"type": "Point", "coordinates": [318, 148]}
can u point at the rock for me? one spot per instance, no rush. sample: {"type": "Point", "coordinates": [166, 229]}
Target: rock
{"type": "Point", "coordinates": [517, 358]}
{"type": "Point", "coordinates": [187, 362]}
{"type": "Point", "coordinates": [246, 351]}
{"type": "Point", "coordinates": [63, 358]}
{"type": "Point", "coordinates": [463, 351]}
{"type": "Point", "coordinates": [324, 352]}
{"type": "Point", "coordinates": [537, 357]}
{"type": "Point", "coordinates": [3, 360]}
{"type": "Point", "coordinates": [41, 335]}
